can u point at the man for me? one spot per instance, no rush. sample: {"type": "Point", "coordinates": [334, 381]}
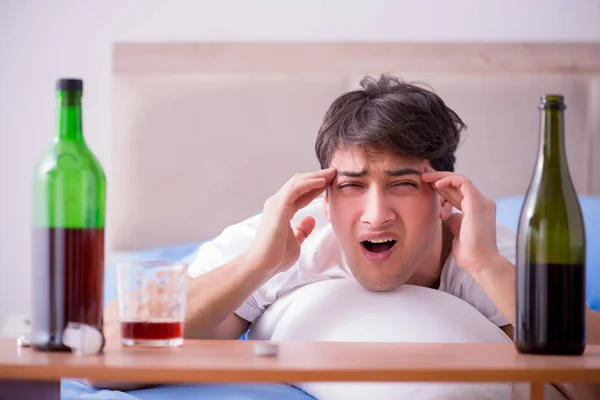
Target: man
{"type": "Point", "coordinates": [390, 205]}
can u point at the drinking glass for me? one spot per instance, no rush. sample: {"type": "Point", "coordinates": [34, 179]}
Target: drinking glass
{"type": "Point", "coordinates": [152, 301]}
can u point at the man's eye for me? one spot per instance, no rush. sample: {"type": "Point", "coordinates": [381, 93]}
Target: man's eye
{"type": "Point", "coordinates": [406, 183]}
{"type": "Point", "coordinates": [349, 185]}
{"type": "Point", "coordinates": [404, 187]}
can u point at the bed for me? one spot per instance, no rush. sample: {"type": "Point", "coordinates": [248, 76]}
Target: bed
{"type": "Point", "coordinates": [199, 126]}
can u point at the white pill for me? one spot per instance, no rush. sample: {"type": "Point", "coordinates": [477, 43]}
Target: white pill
{"type": "Point", "coordinates": [265, 349]}
{"type": "Point", "coordinates": [24, 340]}
{"type": "Point", "coordinates": [83, 339]}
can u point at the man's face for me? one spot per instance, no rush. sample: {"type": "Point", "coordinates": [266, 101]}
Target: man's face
{"type": "Point", "coordinates": [386, 220]}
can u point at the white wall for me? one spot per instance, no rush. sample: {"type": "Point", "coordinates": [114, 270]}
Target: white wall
{"type": "Point", "coordinates": [42, 40]}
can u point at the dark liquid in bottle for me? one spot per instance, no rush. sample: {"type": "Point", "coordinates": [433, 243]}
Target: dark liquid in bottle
{"type": "Point", "coordinates": [152, 330]}
{"type": "Point", "coordinates": [68, 277]}
{"type": "Point", "coordinates": [552, 311]}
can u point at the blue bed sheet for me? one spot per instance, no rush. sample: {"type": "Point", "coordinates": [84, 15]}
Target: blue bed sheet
{"type": "Point", "coordinates": [73, 389]}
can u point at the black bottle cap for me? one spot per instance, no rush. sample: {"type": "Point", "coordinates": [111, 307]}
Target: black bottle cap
{"type": "Point", "coordinates": [69, 85]}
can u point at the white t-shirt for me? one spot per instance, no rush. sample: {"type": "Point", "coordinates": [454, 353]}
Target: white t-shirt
{"type": "Point", "coordinates": [321, 259]}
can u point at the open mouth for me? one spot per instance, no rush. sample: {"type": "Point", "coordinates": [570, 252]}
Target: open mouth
{"type": "Point", "coordinates": [378, 246]}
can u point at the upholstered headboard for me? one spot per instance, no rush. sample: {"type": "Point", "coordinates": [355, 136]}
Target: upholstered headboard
{"type": "Point", "coordinates": [204, 133]}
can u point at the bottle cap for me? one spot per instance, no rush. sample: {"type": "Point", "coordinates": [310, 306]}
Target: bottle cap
{"type": "Point", "coordinates": [83, 339]}
{"type": "Point", "coordinates": [24, 340]}
{"type": "Point", "coordinates": [69, 85]}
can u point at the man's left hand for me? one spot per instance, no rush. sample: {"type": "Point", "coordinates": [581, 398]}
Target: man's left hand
{"type": "Point", "coordinates": [475, 229]}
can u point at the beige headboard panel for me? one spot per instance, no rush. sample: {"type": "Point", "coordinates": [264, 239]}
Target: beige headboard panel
{"type": "Point", "coordinates": [204, 133]}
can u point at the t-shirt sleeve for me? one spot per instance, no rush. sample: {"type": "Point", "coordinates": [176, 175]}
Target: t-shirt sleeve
{"type": "Point", "coordinates": [232, 242]}
{"type": "Point", "coordinates": [471, 292]}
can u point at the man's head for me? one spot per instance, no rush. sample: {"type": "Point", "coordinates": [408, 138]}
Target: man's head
{"type": "Point", "coordinates": [380, 138]}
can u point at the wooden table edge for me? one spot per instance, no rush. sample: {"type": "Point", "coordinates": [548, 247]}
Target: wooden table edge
{"type": "Point", "coordinates": [17, 376]}
{"type": "Point", "coordinates": [141, 375]}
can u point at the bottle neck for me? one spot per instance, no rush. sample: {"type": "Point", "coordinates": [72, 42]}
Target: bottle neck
{"type": "Point", "coordinates": [69, 116]}
{"type": "Point", "coordinates": [552, 140]}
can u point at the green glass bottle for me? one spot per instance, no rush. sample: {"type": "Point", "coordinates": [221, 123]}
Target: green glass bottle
{"type": "Point", "coordinates": [68, 200]}
{"type": "Point", "coordinates": [551, 249]}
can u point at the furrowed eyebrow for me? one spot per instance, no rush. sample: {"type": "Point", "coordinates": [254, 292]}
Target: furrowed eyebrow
{"type": "Point", "coordinates": [403, 171]}
{"type": "Point", "coordinates": [352, 174]}
{"type": "Point", "coordinates": [394, 172]}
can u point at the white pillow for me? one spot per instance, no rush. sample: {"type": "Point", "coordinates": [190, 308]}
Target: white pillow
{"type": "Point", "coordinates": [342, 310]}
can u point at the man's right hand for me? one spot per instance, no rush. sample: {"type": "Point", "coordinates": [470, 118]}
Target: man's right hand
{"type": "Point", "coordinates": [277, 244]}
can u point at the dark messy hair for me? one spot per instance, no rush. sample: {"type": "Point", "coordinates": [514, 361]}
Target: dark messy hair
{"type": "Point", "coordinates": [390, 114]}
